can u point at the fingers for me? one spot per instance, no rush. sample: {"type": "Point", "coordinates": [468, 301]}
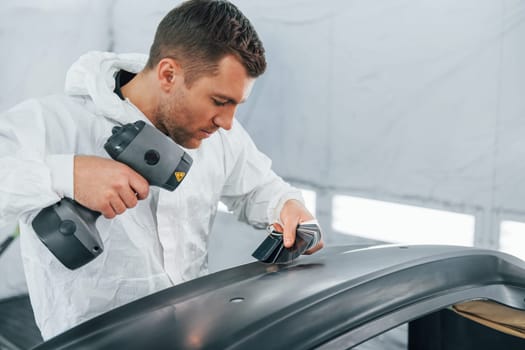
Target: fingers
{"type": "Point", "coordinates": [117, 206]}
{"type": "Point", "coordinates": [128, 198]}
{"type": "Point", "coordinates": [317, 247]}
{"type": "Point", "coordinates": [278, 227]}
{"type": "Point", "coordinates": [140, 186]}
{"type": "Point", "coordinates": [110, 190]}
{"type": "Point", "coordinates": [107, 211]}
{"type": "Point", "coordinates": [292, 214]}
{"type": "Point", "coordinates": [289, 232]}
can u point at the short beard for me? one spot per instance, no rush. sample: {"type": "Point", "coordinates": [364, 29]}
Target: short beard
{"type": "Point", "coordinates": [167, 125]}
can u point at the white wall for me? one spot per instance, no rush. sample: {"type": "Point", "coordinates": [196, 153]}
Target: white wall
{"type": "Point", "coordinates": [39, 40]}
{"type": "Point", "coordinates": [410, 101]}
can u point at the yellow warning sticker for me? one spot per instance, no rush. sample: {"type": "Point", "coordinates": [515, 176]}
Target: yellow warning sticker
{"type": "Point", "coordinates": [179, 175]}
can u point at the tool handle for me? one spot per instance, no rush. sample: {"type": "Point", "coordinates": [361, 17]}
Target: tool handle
{"type": "Point", "coordinates": [68, 230]}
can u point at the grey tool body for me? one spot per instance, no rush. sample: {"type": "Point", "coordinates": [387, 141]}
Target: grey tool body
{"type": "Point", "coordinates": [68, 229]}
{"type": "Point", "coordinates": [140, 146]}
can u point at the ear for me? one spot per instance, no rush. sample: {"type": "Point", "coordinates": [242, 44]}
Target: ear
{"type": "Point", "coordinates": [169, 72]}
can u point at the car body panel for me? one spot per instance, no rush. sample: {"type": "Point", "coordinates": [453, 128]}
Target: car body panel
{"type": "Point", "coordinates": [337, 298]}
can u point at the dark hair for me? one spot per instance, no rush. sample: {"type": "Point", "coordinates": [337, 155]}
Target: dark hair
{"type": "Point", "coordinates": [199, 33]}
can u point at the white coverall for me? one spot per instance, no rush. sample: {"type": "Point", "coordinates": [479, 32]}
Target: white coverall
{"type": "Point", "coordinates": [159, 243]}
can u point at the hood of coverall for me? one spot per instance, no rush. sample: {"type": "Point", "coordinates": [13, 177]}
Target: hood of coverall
{"type": "Point", "coordinates": [93, 74]}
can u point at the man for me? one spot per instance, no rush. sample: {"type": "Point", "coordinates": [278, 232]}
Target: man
{"type": "Point", "coordinates": [202, 64]}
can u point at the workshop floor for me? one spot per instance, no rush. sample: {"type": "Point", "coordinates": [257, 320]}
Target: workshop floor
{"type": "Point", "coordinates": [18, 330]}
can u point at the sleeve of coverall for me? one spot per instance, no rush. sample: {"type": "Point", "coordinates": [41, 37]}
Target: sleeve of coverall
{"type": "Point", "coordinates": [32, 178]}
{"type": "Point", "coordinates": [252, 191]}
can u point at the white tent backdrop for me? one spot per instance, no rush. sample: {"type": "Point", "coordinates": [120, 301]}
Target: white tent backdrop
{"type": "Point", "coordinates": [414, 102]}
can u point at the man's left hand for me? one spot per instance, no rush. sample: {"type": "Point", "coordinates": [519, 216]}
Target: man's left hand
{"type": "Point", "coordinates": [292, 214]}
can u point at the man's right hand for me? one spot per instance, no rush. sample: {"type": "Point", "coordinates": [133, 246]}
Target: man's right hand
{"type": "Point", "coordinates": [107, 186]}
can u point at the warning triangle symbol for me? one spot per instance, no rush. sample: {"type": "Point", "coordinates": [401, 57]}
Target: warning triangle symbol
{"type": "Point", "coordinates": [179, 175]}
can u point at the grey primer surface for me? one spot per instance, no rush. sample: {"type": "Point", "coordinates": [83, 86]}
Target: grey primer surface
{"type": "Point", "coordinates": [337, 298]}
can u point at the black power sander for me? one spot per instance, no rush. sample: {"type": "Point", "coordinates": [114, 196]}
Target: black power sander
{"type": "Point", "coordinates": [68, 228]}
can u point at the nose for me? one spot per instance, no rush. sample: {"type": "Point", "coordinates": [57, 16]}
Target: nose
{"type": "Point", "coordinates": [224, 119]}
